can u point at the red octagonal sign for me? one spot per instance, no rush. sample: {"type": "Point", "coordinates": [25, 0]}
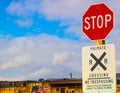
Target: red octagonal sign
{"type": "Point", "coordinates": [97, 22]}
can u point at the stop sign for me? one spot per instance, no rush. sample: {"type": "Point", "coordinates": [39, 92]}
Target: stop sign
{"type": "Point", "coordinates": [97, 22]}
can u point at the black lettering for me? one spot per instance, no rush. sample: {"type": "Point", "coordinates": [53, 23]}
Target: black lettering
{"type": "Point", "coordinates": [98, 61]}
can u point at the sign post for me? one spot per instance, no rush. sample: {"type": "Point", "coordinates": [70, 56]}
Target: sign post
{"type": "Point", "coordinates": [98, 62]}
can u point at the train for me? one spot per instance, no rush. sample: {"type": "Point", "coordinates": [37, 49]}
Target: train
{"type": "Point", "coordinates": [62, 85]}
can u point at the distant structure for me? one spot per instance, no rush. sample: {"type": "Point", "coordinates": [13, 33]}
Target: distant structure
{"type": "Point", "coordinates": [118, 75]}
{"type": "Point", "coordinates": [70, 75]}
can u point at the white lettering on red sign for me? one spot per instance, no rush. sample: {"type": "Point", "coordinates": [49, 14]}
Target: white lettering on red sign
{"type": "Point", "coordinates": [97, 21]}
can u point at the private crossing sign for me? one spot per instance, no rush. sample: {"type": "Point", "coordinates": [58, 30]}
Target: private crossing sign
{"type": "Point", "coordinates": [98, 69]}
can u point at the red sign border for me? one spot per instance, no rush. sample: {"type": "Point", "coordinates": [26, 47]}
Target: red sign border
{"type": "Point", "coordinates": [113, 21]}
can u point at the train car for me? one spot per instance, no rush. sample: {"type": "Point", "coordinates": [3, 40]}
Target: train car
{"type": "Point", "coordinates": [66, 86]}
{"type": "Point", "coordinates": [46, 86]}
{"type": "Point", "coordinates": [18, 86]}
{"type": "Point", "coordinates": [62, 85]}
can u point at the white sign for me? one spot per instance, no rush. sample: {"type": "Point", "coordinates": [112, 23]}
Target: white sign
{"type": "Point", "coordinates": [98, 69]}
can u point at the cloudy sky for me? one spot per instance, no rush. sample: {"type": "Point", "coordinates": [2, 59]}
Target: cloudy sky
{"type": "Point", "coordinates": [44, 39]}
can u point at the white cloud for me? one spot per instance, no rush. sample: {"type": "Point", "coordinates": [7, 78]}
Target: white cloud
{"type": "Point", "coordinates": [40, 73]}
{"type": "Point", "coordinates": [28, 56]}
{"type": "Point", "coordinates": [61, 58]}
{"type": "Point", "coordinates": [43, 53]}
{"type": "Point", "coordinates": [16, 62]}
{"type": "Point", "coordinates": [41, 56]}
{"type": "Point", "coordinates": [22, 8]}
{"type": "Point", "coordinates": [24, 23]}
{"type": "Point", "coordinates": [60, 9]}
{"type": "Point", "coordinates": [69, 9]}
{"type": "Point", "coordinates": [10, 78]}
{"type": "Point", "coordinates": [69, 12]}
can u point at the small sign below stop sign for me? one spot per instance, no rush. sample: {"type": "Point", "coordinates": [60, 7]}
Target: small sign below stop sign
{"type": "Point", "coordinates": [97, 22]}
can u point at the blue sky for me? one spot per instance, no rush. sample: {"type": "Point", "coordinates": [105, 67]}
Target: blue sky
{"type": "Point", "coordinates": [23, 25]}
{"type": "Point", "coordinates": [43, 38]}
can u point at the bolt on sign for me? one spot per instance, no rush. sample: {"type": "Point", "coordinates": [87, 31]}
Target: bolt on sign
{"type": "Point", "coordinates": [98, 69]}
{"type": "Point", "coordinates": [97, 22]}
